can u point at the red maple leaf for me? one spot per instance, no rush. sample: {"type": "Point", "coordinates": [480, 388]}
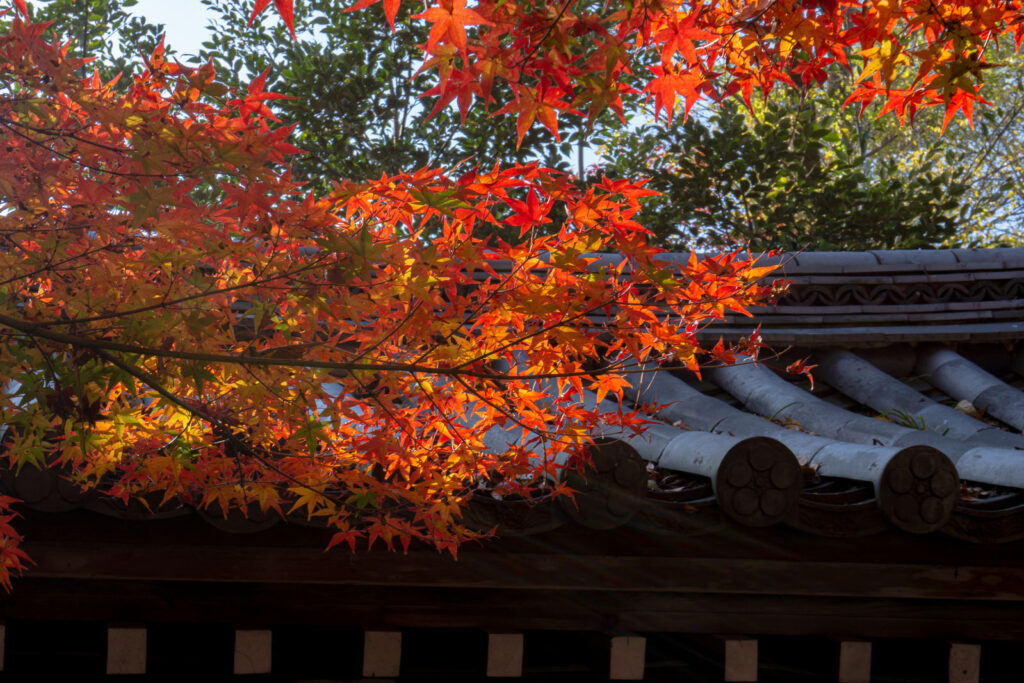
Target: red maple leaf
{"type": "Point", "coordinates": [284, 7]}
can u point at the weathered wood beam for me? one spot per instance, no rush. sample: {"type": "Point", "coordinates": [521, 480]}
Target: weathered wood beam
{"type": "Point", "coordinates": [505, 655]}
{"type": "Point", "coordinates": [396, 607]}
{"type": "Point", "coordinates": [126, 651]}
{"type": "Point", "coordinates": [496, 570]}
{"type": "Point", "coordinates": [627, 658]}
{"type": "Point", "coordinates": [854, 661]}
{"type": "Point", "coordinates": [252, 651]}
{"type": "Point", "coordinates": [382, 654]}
{"type": "Point", "coordinates": [741, 660]}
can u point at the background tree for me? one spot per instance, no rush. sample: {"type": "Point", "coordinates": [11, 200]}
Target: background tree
{"type": "Point", "coordinates": [793, 174]}
{"type": "Point", "coordinates": [346, 142]}
{"type": "Point", "coordinates": [854, 196]}
{"type": "Point", "coordinates": [359, 94]}
{"type": "Point", "coordinates": [104, 29]}
{"type": "Point", "coordinates": [983, 155]}
{"type": "Point", "coordinates": [352, 78]}
{"type": "Point", "coordinates": [562, 58]}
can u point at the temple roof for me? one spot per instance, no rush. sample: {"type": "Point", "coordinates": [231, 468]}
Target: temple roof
{"type": "Point", "coordinates": [913, 421]}
{"type": "Point", "coordinates": [865, 508]}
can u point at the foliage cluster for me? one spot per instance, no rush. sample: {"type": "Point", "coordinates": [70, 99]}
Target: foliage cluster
{"type": "Point", "coordinates": [108, 30]}
{"type": "Point", "coordinates": [356, 92]}
{"type": "Point", "coordinates": [786, 177]}
{"type": "Point", "coordinates": [983, 154]}
{"type": "Point", "coordinates": [372, 120]}
{"type": "Point", "coordinates": [892, 187]}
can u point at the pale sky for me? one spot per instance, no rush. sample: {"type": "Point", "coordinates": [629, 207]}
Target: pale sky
{"type": "Point", "coordinates": [185, 21]}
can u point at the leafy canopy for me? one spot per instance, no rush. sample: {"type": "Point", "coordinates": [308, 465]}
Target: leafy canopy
{"type": "Point", "coordinates": [788, 177]}
{"type": "Point", "coordinates": [357, 95]}
{"type": "Point", "coordinates": [183, 322]}
{"type": "Point", "coordinates": [560, 57]}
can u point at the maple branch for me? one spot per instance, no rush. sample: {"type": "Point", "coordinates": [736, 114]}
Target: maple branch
{"type": "Point", "coordinates": [444, 415]}
{"type": "Point", "coordinates": [79, 162]}
{"type": "Point", "coordinates": [97, 344]}
{"type": "Point", "coordinates": [52, 266]}
{"type": "Point", "coordinates": [62, 134]}
{"type": "Point", "coordinates": [540, 433]}
{"type": "Point", "coordinates": [547, 328]}
{"type": "Point", "coordinates": [473, 314]}
{"type": "Point", "coordinates": [392, 332]}
{"type": "Point", "coordinates": [551, 27]}
{"type": "Point", "coordinates": [173, 302]}
{"type": "Point", "coordinates": [203, 414]}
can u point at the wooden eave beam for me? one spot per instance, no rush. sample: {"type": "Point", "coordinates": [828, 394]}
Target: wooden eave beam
{"type": "Point", "coordinates": [389, 608]}
{"type": "Point", "coordinates": [493, 569]}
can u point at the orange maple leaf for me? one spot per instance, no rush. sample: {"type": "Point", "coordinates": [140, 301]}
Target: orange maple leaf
{"type": "Point", "coordinates": [668, 83]}
{"type": "Point", "coordinates": [528, 107]}
{"type": "Point", "coordinates": [450, 19]}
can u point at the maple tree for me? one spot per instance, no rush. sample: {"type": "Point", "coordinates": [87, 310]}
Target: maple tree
{"type": "Point", "coordinates": [181, 320]}
{"type": "Point", "coordinates": [567, 56]}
